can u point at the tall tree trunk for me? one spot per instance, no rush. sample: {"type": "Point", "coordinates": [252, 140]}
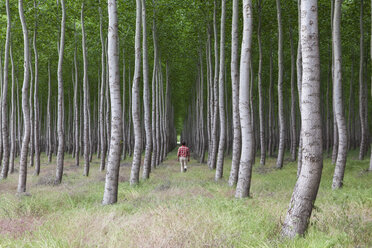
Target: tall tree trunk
{"type": "Point", "coordinates": [246, 159]}
{"type": "Point", "coordinates": [13, 151]}
{"type": "Point", "coordinates": [260, 93]}
{"type": "Point", "coordinates": [221, 103]}
{"type": "Point", "coordinates": [210, 97]}
{"type": "Point", "coordinates": [49, 113]}
{"type": "Point", "coordinates": [60, 119]}
{"type": "Point", "coordinates": [76, 108]}
{"type": "Point", "coordinates": [25, 107]}
{"type": "Point", "coordinates": [112, 176]}
{"type": "Point", "coordinates": [271, 128]}
{"type": "Point", "coordinates": [307, 184]}
{"type": "Point", "coordinates": [86, 92]}
{"type": "Point", "coordinates": [146, 97]}
{"type": "Point", "coordinates": [328, 117]}
{"type": "Point", "coordinates": [362, 93]}
{"type": "Point", "coordinates": [235, 96]}
{"type": "Point", "coordinates": [36, 102]}
{"type": "Point", "coordinates": [5, 168]}
{"type": "Point", "coordinates": [102, 101]}
{"type": "Point", "coordinates": [31, 145]}
{"type": "Point", "coordinates": [293, 133]}
{"type": "Point", "coordinates": [299, 87]}
{"type": "Point", "coordinates": [134, 176]}
{"type": "Point", "coordinates": [338, 98]}
{"type": "Point", "coordinates": [279, 162]}
{"type": "Point", "coordinates": [123, 115]}
{"type": "Point", "coordinates": [215, 90]}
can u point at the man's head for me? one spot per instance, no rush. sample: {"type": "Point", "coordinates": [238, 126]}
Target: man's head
{"type": "Point", "coordinates": [183, 143]}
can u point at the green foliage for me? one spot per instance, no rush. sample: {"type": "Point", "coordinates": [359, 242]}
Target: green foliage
{"type": "Point", "coordinates": [182, 31]}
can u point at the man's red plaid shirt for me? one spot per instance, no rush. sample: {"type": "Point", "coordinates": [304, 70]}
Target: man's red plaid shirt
{"type": "Point", "coordinates": [183, 151]}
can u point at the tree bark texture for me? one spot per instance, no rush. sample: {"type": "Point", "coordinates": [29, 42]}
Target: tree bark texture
{"type": "Point", "coordinates": [146, 97]}
{"type": "Point", "coordinates": [307, 184]}
{"type": "Point", "coordinates": [338, 98]}
{"type": "Point", "coordinates": [5, 134]}
{"type": "Point", "coordinates": [279, 162]}
{"type": "Point", "coordinates": [113, 164]}
{"type": "Point", "coordinates": [134, 176]}
{"type": "Point", "coordinates": [246, 159]}
{"type": "Point", "coordinates": [60, 118]}
{"type": "Point", "coordinates": [25, 106]}
{"type": "Point", "coordinates": [235, 96]}
{"type": "Point", "coordinates": [221, 103]}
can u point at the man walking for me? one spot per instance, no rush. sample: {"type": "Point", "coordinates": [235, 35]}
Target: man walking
{"type": "Point", "coordinates": [183, 156]}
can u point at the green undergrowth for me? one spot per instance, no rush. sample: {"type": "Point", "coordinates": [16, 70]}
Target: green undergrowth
{"type": "Point", "coordinates": [174, 209]}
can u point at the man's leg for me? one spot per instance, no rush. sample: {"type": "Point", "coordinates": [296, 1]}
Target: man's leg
{"type": "Point", "coordinates": [182, 162]}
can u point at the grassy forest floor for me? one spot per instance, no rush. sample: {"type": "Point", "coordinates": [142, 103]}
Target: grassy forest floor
{"type": "Point", "coordinates": [175, 209]}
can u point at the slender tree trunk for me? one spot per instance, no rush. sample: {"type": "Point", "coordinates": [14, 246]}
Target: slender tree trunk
{"type": "Point", "coordinates": [299, 87]}
{"type": "Point", "coordinates": [124, 113]}
{"type": "Point", "coordinates": [102, 101]}
{"type": "Point", "coordinates": [19, 121]}
{"type": "Point", "coordinates": [112, 176]}
{"type": "Point", "coordinates": [279, 162]}
{"type": "Point", "coordinates": [25, 107]}
{"type": "Point", "coordinates": [60, 119]}
{"type": "Point", "coordinates": [153, 90]}
{"type": "Point", "coordinates": [246, 159]}
{"type": "Point", "coordinates": [146, 97]}
{"type": "Point", "coordinates": [271, 128]}
{"type": "Point", "coordinates": [251, 81]}
{"type": "Point", "coordinates": [36, 102]}
{"type": "Point", "coordinates": [235, 96]}
{"type": "Point", "coordinates": [221, 104]}
{"type": "Point", "coordinates": [362, 93]}
{"type": "Point", "coordinates": [31, 145]}
{"type": "Point", "coordinates": [260, 91]}
{"type": "Point", "coordinates": [5, 168]}
{"type": "Point", "coordinates": [12, 119]}
{"type": "Point", "coordinates": [85, 91]}
{"type": "Point", "coordinates": [134, 176]}
{"type": "Point", "coordinates": [293, 133]}
{"type": "Point", "coordinates": [307, 184]}
{"type": "Point", "coordinates": [215, 91]}
{"type": "Point", "coordinates": [338, 98]}
{"type": "Point", "coordinates": [76, 108]}
{"type": "Point", "coordinates": [49, 113]}
{"type": "Point", "coordinates": [328, 117]}
{"type": "Point", "coordinates": [108, 126]}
